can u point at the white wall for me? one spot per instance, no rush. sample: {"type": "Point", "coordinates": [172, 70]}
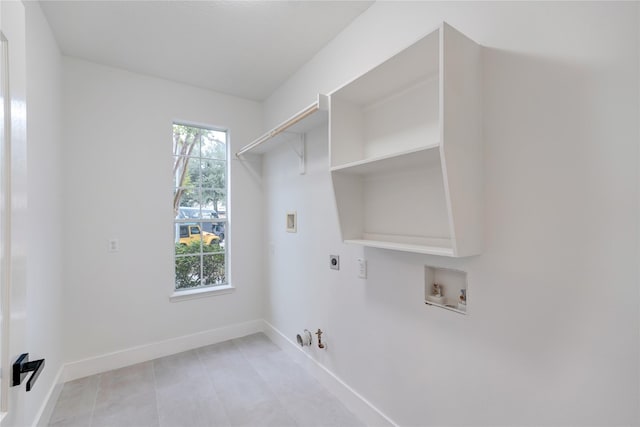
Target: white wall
{"type": "Point", "coordinates": [118, 184]}
{"type": "Point", "coordinates": [44, 260]}
{"type": "Point", "coordinates": [551, 336]}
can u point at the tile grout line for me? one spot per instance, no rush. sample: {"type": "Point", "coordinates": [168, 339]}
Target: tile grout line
{"type": "Point", "coordinates": [234, 342]}
{"type": "Point", "coordinates": [213, 386]}
{"type": "Point", "coordinates": [329, 393]}
{"type": "Point", "coordinates": [95, 400]}
{"type": "Point", "coordinates": [266, 381]}
{"type": "Point", "coordinates": [251, 353]}
{"type": "Point", "coordinates": [155, 389]}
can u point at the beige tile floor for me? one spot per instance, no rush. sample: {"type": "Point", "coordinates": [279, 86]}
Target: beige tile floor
{"type": "Point", "coordinates": [243, 382]}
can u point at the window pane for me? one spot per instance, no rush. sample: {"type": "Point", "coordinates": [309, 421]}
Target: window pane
{"type": "Point", "coordinates": [216, 198]}
{"type": "Point", "coordinates": [188, 271]}
{"type": "Point", "coordinates": [209, 239]}
{"type": "Point", "coordinates": [209, 227]}
{"type": "Point", "coordinates": [209, 213]}
{"type": "Point", "coordinates": [187, 242]}
{"type": "Point", "coordinates": [213, 173]}
{"type": "Point", "coordinates": [186, 140]}
{"type": "Point", "coordinates": [187, 171]}
{"type": "Point", "coordinates": [217, 228]}
{"type": "Point", "coordinates": [214, 145]}
{"type": "Point", "coordinates": [188, 203]}
{"type": "Point", "coordinates": [213, 268]}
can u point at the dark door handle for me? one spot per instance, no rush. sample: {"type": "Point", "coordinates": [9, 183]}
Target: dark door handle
{"type": "Point", "coordinates": [22, 367]}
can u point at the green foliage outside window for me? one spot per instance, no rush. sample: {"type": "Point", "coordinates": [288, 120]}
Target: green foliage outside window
{"type": "Point", "coordinates": [192, 269]}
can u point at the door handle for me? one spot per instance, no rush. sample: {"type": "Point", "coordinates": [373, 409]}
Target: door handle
{"type": "Point", "coordinates": [22, 367]}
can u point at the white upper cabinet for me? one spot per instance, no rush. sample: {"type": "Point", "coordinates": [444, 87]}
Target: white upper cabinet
{"type": "Point", "coordinates": [406, 149]}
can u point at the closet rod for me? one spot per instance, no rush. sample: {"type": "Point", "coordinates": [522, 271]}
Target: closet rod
{"type": "Point", "coordinates": [281, 128]}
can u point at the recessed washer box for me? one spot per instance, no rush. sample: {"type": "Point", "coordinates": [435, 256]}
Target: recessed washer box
{"type": "Point", "coordinates": [446, 288]}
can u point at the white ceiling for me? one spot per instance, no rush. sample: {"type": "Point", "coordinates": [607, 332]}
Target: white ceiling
{"type": "Point", "coordinates": [243, 48]}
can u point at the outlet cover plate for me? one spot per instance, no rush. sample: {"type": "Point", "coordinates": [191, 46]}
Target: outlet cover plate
{"type": "Point", "coordinates": [334, 262]}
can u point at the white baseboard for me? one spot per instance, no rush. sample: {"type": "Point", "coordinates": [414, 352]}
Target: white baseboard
{"type": "Point", "coordinates": [357, 404]}
{"type": "Point", "coordinates": [143, 353]}
{"type": "Point", "coordinates": [44, 414]}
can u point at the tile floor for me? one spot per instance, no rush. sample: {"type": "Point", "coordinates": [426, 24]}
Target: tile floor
{"type": "Point", "coordinates": [243, 382]}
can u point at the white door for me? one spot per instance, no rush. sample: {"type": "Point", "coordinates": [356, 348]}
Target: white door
{"type": "Point", "coordinates": [13, 205]}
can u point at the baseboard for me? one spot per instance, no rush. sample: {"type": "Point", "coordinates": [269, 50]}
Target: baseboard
{"type": "Point", "coordinates": [46, 410]}
{"type": "Point", "coordinates": [143, 353]}
{"type": "Point", "coordinates": [356, 403]}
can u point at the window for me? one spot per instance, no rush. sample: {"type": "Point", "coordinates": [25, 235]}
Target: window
{"type": "Point", "coordinates": [200, 206]}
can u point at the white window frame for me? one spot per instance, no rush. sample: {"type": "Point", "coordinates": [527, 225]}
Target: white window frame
{"type": "Point", "coordinates": [227, 287]}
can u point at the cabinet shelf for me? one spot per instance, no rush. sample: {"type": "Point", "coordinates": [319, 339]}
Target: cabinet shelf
{"type": "Point", "coordinates": [405, 247]}
{"type": "Point", "coordinates": [405, 149]}
{"type": "Point", "coordinates": [422, 156]}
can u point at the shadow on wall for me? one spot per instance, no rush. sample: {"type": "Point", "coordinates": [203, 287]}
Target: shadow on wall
{"type": "Point", "coordinates": [555, 162]}
{"type": "Point", "coordinates": [556, 186]}
{"type": "Point", "coordinates": [558, 159]}
{"type": "Point", "coordinates": [543, 228]}
{"type": "Point", "coordinates": [252, 164]}
{"type": "Point", "coordinates": [542, 164]}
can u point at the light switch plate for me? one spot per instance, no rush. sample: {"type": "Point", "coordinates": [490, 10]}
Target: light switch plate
{"type": "Point", "coordinates": [362, 268]}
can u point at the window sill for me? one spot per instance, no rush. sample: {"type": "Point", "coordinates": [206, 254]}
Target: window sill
{"type": "Point", "coordinates": [201, 293]}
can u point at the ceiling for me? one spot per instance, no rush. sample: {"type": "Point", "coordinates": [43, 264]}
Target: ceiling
{"type": "Point", "coordinates": [242, 48]}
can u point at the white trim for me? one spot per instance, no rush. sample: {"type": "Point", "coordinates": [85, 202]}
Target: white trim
{"type": "Point", "coordinates": [201, 293]}
{"type": "Point", "coordinates": [200, 220]}
{"type": "Point", "coordinates": [46, 410]}
{"type": "Point", "coordinates": [638, 104]}
{"type": "Point", "coordinates": [356, 403]}
{"type": "Point", "coordinates": [143, 353]}
{"type": "Point", "coordinates": [5, 223]}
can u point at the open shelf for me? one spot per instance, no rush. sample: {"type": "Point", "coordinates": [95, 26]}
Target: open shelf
{"type": "Point", "coordinates": [385, 207]}
{"type": "Point", "coordinates": [405, 247]}
{"type": "Point", "coordinates": [405, 149]}
{"type": "Point", "coordinates": [408, 159]}
{"type": "Point", "coordinates": [303, 121]}
{"type": "Point", "coordinates": [402, 122]}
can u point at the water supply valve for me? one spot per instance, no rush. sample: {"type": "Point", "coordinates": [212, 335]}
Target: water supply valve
{"type": "Point", "coordinates": [304, 339]}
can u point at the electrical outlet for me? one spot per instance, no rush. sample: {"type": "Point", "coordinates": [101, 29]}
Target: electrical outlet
{"type": "Point", "coordinates": [362, 268]}
{"type": "Point", "coordinates": [334, 262]}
